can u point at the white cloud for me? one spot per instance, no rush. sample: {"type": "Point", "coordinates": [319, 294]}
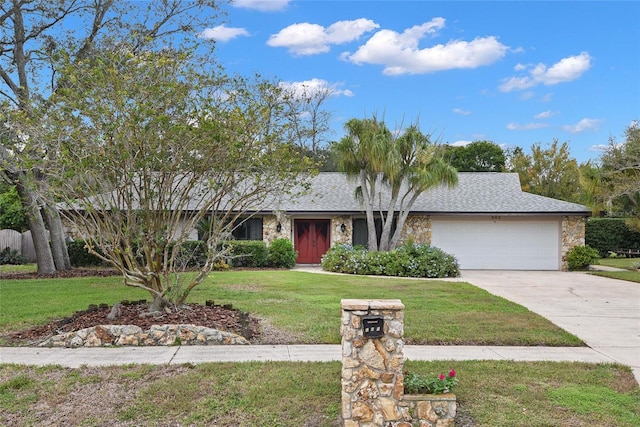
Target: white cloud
{"type": "Point", "coordinates": [599, 148]}
{"type": "Point", "coordinates": [461, 111]}
{"type": "Point", "coordinates": [528, 126]}
{"type": "Point", "coordinates": [310, 87]}
{"type": "Point", "coordinates": [583, 125]}
{"type": "Point", "coordinates": [222, 33]}
{"type": "Point", "coordinates": [312, 39]}
{"type": "Point", "coordinates": [545, 115]}
{"type": "Point", "coordinates": [399, 53]}
{"type": "Point", "coordinates": [565, 70]}
{"type": "Point", "coordinates": [460, 143]}
{"type": "Point", "coordinates": [262, 5]}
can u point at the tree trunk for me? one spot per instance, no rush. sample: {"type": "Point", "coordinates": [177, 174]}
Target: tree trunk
{"type": "Point", "coordinates": [402, 218]}
{"type": "Point", "coordinates": [58, 244]}
{"type": "Point", "coordinates": [372, 240]}
{"type": "Point", "coordinates": [385, 244]}
{"type": "Point", "coordinates": [44, 257]}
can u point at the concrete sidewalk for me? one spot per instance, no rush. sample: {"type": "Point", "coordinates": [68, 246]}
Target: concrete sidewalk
{"type": "Point", "coordinates": [77, 357]}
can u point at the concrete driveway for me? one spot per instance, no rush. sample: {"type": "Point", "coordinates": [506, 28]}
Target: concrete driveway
{"type": "Point", "coordinates": [604, 313]}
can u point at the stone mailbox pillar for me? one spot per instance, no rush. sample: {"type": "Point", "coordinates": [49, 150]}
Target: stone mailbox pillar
{"type": "Point", "coordinates": [372, 365]}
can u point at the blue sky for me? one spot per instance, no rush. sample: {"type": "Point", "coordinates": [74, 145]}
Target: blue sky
{"type": "Point", "coordinates": [512, 72]}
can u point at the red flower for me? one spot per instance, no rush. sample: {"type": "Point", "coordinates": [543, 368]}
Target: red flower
{"type": "Point", "coordinates": [452, 373]}
{"type": "Point", "coordinates": [441, 376]}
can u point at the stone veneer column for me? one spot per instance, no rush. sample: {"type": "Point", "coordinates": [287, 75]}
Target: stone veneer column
{"type": "Point", "coordinates": [573, 234]}
{"type": "Point", "coordinates": [372, 369]}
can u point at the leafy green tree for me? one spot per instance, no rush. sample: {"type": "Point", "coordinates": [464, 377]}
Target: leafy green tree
{"type": "Point", "coordinates": [621, 174]}
{"type": "Point", "coordinates": [149, 145]}
{"type": "Point", "coordinates": [479, 156]}
{"type": "Point", "coordinates": [11, 213]}
{"type": "Point", "coordinates": [550, 171]}
{"type": "Point", "coordinates": [403, 166]}
{"type": "Point", "coordinates": [31, 32]}
{"type": "Point", "coordinates": [592, 187]}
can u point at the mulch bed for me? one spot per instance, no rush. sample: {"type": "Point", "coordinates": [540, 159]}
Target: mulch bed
{"type": "Point", "coordinates": [211, 315]}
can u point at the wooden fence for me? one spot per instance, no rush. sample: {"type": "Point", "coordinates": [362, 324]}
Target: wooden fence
{"type": "Point", "coordinates": [20, 242]}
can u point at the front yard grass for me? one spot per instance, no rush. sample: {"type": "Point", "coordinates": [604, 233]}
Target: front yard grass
{"type": "Point", "coordinates": [619, 262]}
{"type": "Point", "coordinates": [307, 305]}
{"type": "Point", "coordinates": [630, 276]}
{"type": "Point", "coordinates": [491, 393]}
{"type": "Point", "coordinates": [630, 264]}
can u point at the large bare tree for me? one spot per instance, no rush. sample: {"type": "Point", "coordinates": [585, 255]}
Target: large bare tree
{"type": "Point", "coordinates": [31, 30]}
{"type": "Point", "coordinates": [148, 144]}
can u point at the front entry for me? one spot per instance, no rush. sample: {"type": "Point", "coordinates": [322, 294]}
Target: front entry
{"type": "Point", "coordinates": [311, 240]}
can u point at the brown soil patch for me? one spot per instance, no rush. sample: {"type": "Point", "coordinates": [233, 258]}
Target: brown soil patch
{"type": "Point", "coordinates": [211, 315]}
{"type": "Point", "coordinates": [136, 313]}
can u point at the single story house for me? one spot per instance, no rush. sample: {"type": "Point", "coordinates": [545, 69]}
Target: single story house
{"type": "Point", "coordinates": [486, 222]}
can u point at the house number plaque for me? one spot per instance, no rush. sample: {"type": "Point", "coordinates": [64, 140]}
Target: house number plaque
{"type": "Point", "coordinates": [373, 326]}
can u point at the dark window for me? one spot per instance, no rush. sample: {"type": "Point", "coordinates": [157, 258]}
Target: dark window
{"type": "Point", "coordinates": [248, 229]}
{"type": "Point", "coordinates": [361, 232]}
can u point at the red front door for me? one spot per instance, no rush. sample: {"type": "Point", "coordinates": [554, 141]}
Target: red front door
{"type": "Point", "coordinates": [311, 240]}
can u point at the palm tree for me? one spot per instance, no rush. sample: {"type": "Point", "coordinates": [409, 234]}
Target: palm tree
{"type": "Point", "coordinates": [405, 166]}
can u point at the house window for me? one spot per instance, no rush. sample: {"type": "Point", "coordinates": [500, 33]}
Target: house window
{"type": "Point", "coordinates": [247, 229]}
{"type": "Point", "coordinates": [361, 232]}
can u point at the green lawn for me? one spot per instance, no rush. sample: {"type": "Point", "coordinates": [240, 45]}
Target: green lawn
{"type": "Point", "coordinates": [632, 275]}
{"type": "Point", "coordinates": [491, 393]}
{"type": "Point", "coordinates": [620, 262]}
{"type": "Point", "coordinates": [307, 305]}
{"type": "Point", "coordinates": [33, 302]}
{"type": "Point", "coordinates": [23, 268]}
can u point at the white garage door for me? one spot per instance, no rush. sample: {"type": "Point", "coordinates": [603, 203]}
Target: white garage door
{"type": "Point", "coordinates": [499, 243]}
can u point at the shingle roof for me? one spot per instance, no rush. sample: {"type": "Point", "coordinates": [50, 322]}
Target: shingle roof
{"type": "Point", "coordinates": [476, 192]}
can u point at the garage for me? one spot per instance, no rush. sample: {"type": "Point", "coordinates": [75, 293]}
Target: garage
{"type": "Point", "coordinates": [500, 242]}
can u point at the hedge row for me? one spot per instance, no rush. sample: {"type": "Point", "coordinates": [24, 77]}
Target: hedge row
{"type": "Point", "coordinates": [609, 234]}
{"type": "Point", "coordinates": [410, 260]}
{"type": "Point", "coordinates": [243, 253]}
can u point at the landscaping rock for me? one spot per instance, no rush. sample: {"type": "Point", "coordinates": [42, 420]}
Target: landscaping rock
{"type": "Point", "coordinates": [130, 335]}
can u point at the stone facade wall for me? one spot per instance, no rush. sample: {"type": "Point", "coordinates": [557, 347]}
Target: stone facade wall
{"type": "Point", "coordinates": [432, 410]}
{"type": "Point", "coordinates": [372, 373]}
{"type": "Point", "coordinates": [270, 228]}
{"type": "Point", "coordinates": [573, 234]}
{"type": "Point", "coordinates": [337, 235]}
{"type": "Point", "coordinates": [418, 228]}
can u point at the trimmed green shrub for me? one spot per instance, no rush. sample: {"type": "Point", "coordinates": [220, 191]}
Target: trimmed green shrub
{"type": "Point", "coordinates": [581, 257]}
{"type": "Point", "coordinates": [609, 234]}
{"type": "Point", "coordinates": [80, 256]}
{"type": "Point", "coordinates": [281, 254]}
{"type": "Point", "coordinates": [410, 260]}
{"type": "Point", "coordinates": [247, 253]}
